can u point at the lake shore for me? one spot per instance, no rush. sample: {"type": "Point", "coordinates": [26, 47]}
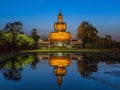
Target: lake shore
{"type": "Point", "coordinates": [112, 51]}
{"type": "Point", "coordinates": [4, 56]}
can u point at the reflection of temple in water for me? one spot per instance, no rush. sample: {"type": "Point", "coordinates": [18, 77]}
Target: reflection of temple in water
{"type": "Point", "coordinates": [59, 61]}
{"type": "Point", "coordinates": [86, 64]}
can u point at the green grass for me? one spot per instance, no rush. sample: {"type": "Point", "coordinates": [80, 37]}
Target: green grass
{"type": "Point", "coordinates": [53, 50]}
{"type": "Point", "coordinates": [74, 50]}
{"type": "Point", "coordinates": [99, 51]}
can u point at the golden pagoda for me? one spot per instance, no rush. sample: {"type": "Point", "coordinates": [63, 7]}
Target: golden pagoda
{"type": "Point", "coordinates": [59, 62]}
{"type": "Point", "coordinates": [60, 38]}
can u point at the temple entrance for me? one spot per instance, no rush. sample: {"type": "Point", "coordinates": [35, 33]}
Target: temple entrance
{"type": "Point", "coordinates": [60, 45]}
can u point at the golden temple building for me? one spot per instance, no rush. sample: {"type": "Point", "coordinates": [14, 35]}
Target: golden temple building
{"type": "Point", "coordinates": [60, 38]}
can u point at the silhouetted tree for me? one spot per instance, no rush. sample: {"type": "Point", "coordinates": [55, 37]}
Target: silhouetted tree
{"type": "Point", "coordinates": [35, 36]}
{"type": "Point", "coordinates": [87, 33]}
{"type": "Point", "coordinates": [14, 28]}
{"type": "Point", "coordinates": [108, 42]}
{"type": "Point", "coordinates": [99, 44]}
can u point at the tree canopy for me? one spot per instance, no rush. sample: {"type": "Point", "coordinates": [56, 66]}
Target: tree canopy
{"type": "Point", "coordinates": [12, 38]}
{"type": "Point", "coordinates": [35, 36]}
{"type": "Point", "coordinates": [87, 32]}
{"type": "Point", "coordinates": [13, 27]}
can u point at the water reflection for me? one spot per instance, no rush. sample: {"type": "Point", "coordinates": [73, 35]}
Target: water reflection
{"type": "Point", "coordinates": [87, 64]}
{"type": "Point", "coordinates": [13, 67]}
{"type": "Point", "coordinates": [86, 67]}
{"type": "Point", "coordinates": [59, 61]}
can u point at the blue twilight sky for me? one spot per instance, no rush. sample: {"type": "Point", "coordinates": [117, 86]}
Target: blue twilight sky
{"type": "Point", "coordinates": [41, 14]}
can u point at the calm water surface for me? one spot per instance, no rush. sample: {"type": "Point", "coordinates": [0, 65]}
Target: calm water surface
{"type": "Point", "coordinates": [60, 71]}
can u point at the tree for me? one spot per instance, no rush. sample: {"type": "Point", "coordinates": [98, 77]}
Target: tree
{"type": "Point", "coordinates": [108, 38]}
{"type": "Point", "coordinates": [109, 42]}
{"type": "Point", "coordinates": [2, 42]}
{"type": "Point", "coordinates": [14, 28]}
{"type": "Point", "coordinates": [99, 44]}
{"type": "Point", "coordinates": [25, 42]}
{"type": "Point", "coordinates": [87, 32]}
{"type": "Point", "coordinates": [35, 36]}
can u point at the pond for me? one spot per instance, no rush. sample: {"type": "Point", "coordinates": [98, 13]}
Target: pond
{"type": "Point", "coordinates": [60, 71]}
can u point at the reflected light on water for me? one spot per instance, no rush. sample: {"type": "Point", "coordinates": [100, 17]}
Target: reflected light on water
{"type": "Point", "coordinates": [72, 71]}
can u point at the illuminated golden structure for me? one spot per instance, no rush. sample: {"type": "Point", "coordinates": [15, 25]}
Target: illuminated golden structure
{"type": "Point", "coordinates": [59, 62]}
{"type": "Point", "coordinates": [60, 38]}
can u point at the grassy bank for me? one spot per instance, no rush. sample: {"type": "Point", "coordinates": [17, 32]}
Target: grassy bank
{"type": "Point", "coordinates": [76, 50]}
{"type": "Point", "coordinates": [116, 52]}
